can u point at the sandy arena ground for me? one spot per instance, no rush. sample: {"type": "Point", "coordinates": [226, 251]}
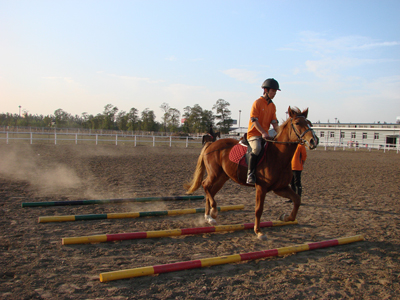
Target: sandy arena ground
{"type": "Point", "coordinates": [345, 193]}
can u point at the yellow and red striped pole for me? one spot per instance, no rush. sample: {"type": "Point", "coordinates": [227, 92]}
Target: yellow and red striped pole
{"type": "Point", "coordinates": [213, 261]}
{"type": "Point", "coordinates": [164, 233]}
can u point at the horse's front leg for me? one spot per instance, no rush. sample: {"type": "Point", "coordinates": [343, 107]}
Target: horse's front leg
{"type": "Point", "coordinates": [260, 198]}
{"type": "Point", "coordinates": [287, 192]}
{"type": "Point", "coordinates": [207, 210]}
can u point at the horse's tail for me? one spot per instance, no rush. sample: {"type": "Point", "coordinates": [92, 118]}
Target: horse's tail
{"type": "Point", "coordinates": [198, 173]}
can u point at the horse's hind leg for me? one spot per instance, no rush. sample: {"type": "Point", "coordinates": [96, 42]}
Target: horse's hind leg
{"type": "Point", "coordinates": [211, 186]}
{"type": "Point", "coordinates": [260, 199]}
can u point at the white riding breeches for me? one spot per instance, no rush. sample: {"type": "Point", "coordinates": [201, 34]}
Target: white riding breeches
{"type": "Point", "coordinates": [255, 144]}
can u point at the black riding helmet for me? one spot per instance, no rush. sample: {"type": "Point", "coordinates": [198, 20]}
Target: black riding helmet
{"type": "Point", "coordinates": [270, 83]}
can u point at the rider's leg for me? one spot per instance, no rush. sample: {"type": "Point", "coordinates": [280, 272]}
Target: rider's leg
{"type": "Point", "coordinates": [255, 145]}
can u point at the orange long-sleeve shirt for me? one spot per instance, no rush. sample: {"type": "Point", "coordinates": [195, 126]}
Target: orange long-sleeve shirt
{"type": "Point", "coordinates": [265, 113]}
{"type": "Point", "coordinates": [299, 158]}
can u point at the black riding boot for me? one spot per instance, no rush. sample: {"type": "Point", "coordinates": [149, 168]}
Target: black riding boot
{"type": "Point", "coordinates": [251, 171]}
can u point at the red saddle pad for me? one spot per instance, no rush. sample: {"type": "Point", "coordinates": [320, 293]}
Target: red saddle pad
{"type": "Point", "coordinates": [238, 154]}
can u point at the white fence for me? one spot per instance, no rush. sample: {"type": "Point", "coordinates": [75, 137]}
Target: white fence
{"type": "Point", "coordinates": [79, 138]}
{"type": "Point", "coordinates": [25, 129]}
{"type": "Point", "coordinates": [357, 146]}
{"type": "Point", "coordinates": [135, 140]}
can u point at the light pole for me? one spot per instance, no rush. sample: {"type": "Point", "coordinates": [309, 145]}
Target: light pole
{"type": "Point", "coordinates": [239, 118]}
{"type": "Point", "coordinates": [19, 110]}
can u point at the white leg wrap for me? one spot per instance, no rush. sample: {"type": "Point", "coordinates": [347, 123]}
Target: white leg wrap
{"type": "Point", "coordinates": [210, 220]}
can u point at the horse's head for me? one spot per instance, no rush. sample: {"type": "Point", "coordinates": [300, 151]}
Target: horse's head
{"type": "Point", "coordinates": [301, 130]}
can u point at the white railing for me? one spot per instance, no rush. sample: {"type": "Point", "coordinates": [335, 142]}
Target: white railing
{"type": "Point", "coordinates": [359, 146]}
{"type": "Point", "coordinates": [78, 138]}
{"type": "Point", "coordinates": [25, 129]}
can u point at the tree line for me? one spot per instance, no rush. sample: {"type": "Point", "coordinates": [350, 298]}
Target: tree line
{"type": "Point", "coordinates": [195, 119]}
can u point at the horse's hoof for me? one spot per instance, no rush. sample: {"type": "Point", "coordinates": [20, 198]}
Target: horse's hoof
{"type": "Point", "coordinates": [262, 237]}
{"type": "Point", "coordinates": [210, 220]}
{"type": "Point", "coordinates": [283, 217]}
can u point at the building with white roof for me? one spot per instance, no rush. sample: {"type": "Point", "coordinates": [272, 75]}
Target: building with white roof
{"type": "Point", "coordinates": [371, 135]}
{"type": "Point", "coordinates": [362, 134]}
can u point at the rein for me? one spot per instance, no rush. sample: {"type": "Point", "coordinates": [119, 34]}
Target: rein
{"type": "Point", "coordinates": [278, 142]}
{"type": "Point", "coordinates": [299, 136]}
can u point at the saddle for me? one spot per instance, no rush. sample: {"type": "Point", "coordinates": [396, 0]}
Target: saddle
{"type": "Point", "coordinates": [238, 153]}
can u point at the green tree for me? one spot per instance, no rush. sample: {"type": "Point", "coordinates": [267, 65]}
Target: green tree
{"type": "Point", "coordinates": [170, 118]}
{"type": "Point", "coordinates": [186, 115]}
{"type": "Point", "coordinates": [173, 121]}
{"type": "Point", "coordinates": [206, 120]}
{"type": "Point", "coordinates": [109, 116]}
{"type": "Point", "coordinates": [148, 122]}
{"type": "Point", "coordinates": [61, 118]}
{"type": "Point", "coordinates": [96, 121]}
{"type": "Point", "coordinates": [223, 115]}
{"type": "Point", "coordinates": [47, 121]}
{"type": "Point", "coordinates": [133, 119]}
{"type": "Point", "coordinates": [165, 107]}
{"type": "Point", "coordinates": [195, 118]}
{"type": "Point", "coordinates": [85, 120]}
{"type": "Point", "coordinates": [122, 120]}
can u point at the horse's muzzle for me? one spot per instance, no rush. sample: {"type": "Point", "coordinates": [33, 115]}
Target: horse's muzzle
{"type": "Point", "coordinates": [313, 143]}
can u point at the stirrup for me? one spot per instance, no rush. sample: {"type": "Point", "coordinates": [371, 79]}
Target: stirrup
{"type": "Point", "coordinates": [251, 179]}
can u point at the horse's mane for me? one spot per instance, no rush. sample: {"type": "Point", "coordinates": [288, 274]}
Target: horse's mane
{"type": "Point", "coordinates": [297, 112]}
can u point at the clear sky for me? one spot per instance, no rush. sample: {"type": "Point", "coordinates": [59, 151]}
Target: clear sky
{"type": "Point", "coordinates": [341, 59]}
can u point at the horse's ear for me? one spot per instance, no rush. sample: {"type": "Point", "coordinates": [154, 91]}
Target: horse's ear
{"type": "Point", "coordinates": [290, 112]}
{"type": "Point", "coordinates": [305, 113]}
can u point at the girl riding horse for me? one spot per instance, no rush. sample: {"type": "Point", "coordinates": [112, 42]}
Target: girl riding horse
{"type": "Point", "coordinates": [274, 173]}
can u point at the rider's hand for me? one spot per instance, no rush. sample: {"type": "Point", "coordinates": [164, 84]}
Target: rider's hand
{"type": "Point", "coordinates": [265, 135]}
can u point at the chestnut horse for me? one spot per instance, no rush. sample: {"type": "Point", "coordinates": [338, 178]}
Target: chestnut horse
{"type": "Point", "coordinates": [274, 173]}
{"type": "Point", "coordinates": [209, 138]}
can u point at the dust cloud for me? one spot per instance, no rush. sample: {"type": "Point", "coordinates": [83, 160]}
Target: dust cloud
{"type": "Point", "coordinates": [24, 164]}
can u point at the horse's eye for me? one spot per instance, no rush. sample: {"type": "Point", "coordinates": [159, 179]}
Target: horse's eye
{"type": "Point", "coordinates": [297, 123]}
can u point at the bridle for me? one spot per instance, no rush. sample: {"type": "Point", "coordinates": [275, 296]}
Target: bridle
{"type": "Point", "coordinates": [299, 136]}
